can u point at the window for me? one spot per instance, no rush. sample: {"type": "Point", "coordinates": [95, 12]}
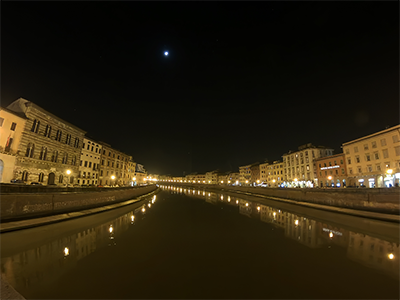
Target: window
{"type": "Point", "coordinates": [68, 139]}
{"type": "Point", "coordinates": [365, 146]}
{"type": "Point", "coordinates": [29, 150]}
{"type": "Point", "coordinates": [41, 177]}
{"type": "Point", "coordinates": [385, 153]}
{"type": "Point", "coordinates": [60, 179]}
{"type": "Point", "coordinates": [35, 126]}
{"type": "Point", "coordinates": [376, 155]}
{"type": "Point", "coordinates": [13, 125]}
{"type": "Point", "coordinates": [1, 122]}
{"type": "Point", "coordinates": [378, 167]}
{"type": "Point", "coordinates": [112, 164]}
{"type": "Point", "coordinates": [383, 142]}
{"type": "Point", "coordinates": [25, 176]}
{"type": "Point", "coordinates": [324, 164]}
{"type": "Point", "coordinates": [367, 157]}
{"type": "Point", "coordinates": [355, 149]}
{"type": "Point", "coordinates": [359, 169]}
{"type": "Point", "coordinates": [101, 173]}
{"type": "Point", "coordinates": [43, 153]}
{"type": "Point", "coordinates": [369, 168]}
{"type": "Point", "coordinates": [86, 164]}
{"type": "Point", "coordinates": [347, 151]}
{"type": "Point", "coordinates": [65, 158]}
{"type": "Point", "coordinates": [350, 170]}
{"type": "Point", "coordinates": [76, 144]}
{"type": "Point", "coordinates": [90, 164]}
{"type": "Point", "coordinates": [342, 171]}
{"type": "Point", "coordinates": [73, 161]}
{"type": "Point", "coordinates": [341, 161]}
{"type": "Point", "coordinates": [58, 135]}
{"type": "Point", "coordinates": [349, 161]}
{"type": "Point", "coordinates": [54, 157]}
{"type": "Point", "coordinates": [337, 172]}
{"type": "Point", "coordinates": [47, 131]}
{"type": "Point", "coordinates": [395, 138]}
{"type": "Point", "coordinates": [88, 146]}
{"type": "Point", "coordinates": [330, 163]}
{"type": "Point", "coordinates": [357, 159]}
{"type": "Point", "coordinates": [373, 144]}
{"type": "Point", "coordinates": [397, 150]}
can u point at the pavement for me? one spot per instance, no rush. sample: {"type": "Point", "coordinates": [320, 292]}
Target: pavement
{"type": "Point", "coordinates": [348, 211]}
{"type": "Point", "coordinates": [7, 291]}
{"type": "Point", "coordinates": [29, 223]}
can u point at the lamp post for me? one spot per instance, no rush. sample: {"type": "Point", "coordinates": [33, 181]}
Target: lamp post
{"type": "Point", "coordinates": [113, 178]}
{"type": "Point", "coordinates": [68, 173]}
{"type": "Point", "coordinates": [134, 180]}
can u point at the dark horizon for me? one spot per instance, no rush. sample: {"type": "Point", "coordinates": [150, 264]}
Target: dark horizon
{"type": "Point", "coordinates": [243, 82]}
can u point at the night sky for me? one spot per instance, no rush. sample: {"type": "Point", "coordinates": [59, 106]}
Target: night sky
{"type": "Point", "coordinates": [243, 81]}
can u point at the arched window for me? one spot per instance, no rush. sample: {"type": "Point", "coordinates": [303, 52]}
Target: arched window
{"type": "Point", "coordinates": [68, 139]}
{"type": "Point", "coordinates": [41, 177]}
{"type": "Point", "coordinates": [47, 131]}
{"type": "Point", "coordinates": [65, 158]}
{"type": "Point", "coordinates": [25, 176]}
{"type": "Point", "coordinates": [29, 150]}
{"type": "Point", "coordinates": [60, 179]}
{"type": "Point", "coordinates": [54, 156]}
{"type": "Point", "coordinates": [73, 161]}
{"type": "Point", "coordinates": [43, 153]}
{"type": "Point", "coordinates": [58, 135]}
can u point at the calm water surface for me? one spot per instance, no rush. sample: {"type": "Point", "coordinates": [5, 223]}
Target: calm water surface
{"type": "Point", "coordinates": [185, 243]}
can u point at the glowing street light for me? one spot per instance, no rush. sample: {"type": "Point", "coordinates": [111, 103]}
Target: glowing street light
{"type": "Point", "coordinates": [329, 177]}
{"type": "Point", "coordinates": [113, 178]}
{"type": "Point", "coordinates": [389, 171]}
{"type": "Point", "coordinates": [68, 173]}
{"type": "Point", "coordinates": [391, 256]}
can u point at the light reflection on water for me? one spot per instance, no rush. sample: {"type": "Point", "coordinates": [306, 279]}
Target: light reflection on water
{"type": "Point", "coordinates": [364, 249]}
{"type": "Point", "coordinates": [27, 269]}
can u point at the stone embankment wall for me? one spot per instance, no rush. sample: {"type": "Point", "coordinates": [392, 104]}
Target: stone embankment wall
{"type": "Point", "coordinates": [25, 202]}
{"type": "Point", "coordinates": [384, 200]}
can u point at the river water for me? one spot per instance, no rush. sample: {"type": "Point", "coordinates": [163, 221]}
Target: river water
{"type": "Point", "coordinates": [189, 243]}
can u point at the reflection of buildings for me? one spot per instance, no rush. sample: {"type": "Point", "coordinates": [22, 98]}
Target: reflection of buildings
{"type": "Point", "coordinates": [374, 253]}
{"type": "Point", "coordinates": [272, 215]}
{"type": "Point", "coordinates": [32, 270]}
{"type": "Point", "coordinates": [303, 230]}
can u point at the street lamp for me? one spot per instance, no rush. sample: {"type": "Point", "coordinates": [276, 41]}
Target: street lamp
{"type": "Point", "coordinates": [112, 178]}
{"type": "Point", "coordinates": [390, 171]}
{"type": "Point", "coordinates": [68, 173]}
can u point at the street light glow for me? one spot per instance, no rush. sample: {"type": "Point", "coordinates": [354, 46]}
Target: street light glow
{"type": "Point", "coordinates": [68, 172]}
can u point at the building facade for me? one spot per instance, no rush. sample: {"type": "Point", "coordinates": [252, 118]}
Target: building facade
{"type": "Point", "coordinates": [331, 170]}
{"type": "Point", "coordinates": [275, 174]}
{"type": "Point", "coordinates": [12, 125]}
{"type": "Point", "coordinates": [374, 160]}
{"type": "Point", "coordinates": [89, 165]}
{"type": "Point", "coordinates": [212, 177]}
{"type": "Point", "coordinates": [49, 148]}
{"type": "Point", "coordinates": [249, 174]}
{"type": "Point", "coordinates": [299, 165]}
{"type": "Point", "coordinates": [116, 167]}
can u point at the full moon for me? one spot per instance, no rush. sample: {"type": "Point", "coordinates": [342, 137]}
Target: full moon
{"type": "Point", "coordinates": [166, 53]}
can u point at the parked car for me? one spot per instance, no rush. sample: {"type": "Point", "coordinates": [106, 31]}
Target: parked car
{"type": "Point", "coordinates": [35, 183]}
{"type": "Point", "coordinates": [17, 181]}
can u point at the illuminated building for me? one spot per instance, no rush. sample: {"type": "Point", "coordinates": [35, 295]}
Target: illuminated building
{"type": "Point", "coordinates": [12, 125]}
{"type": "Point", "coordinates": [331, 170]}
{"type": "Point", "coordinates": [272, 173]}
{"type": "Point", "coordinates": [373, 160]}
{"type": "Point", "coordinates": [299, 165]}
{"type": "Point", "coordinates": [118, 164]}
{"type": "Point", "coordinates": [249, 174]}
{"type": "Point", "coordinates": [49, 146]}
{"type": "Point", "coordinates": [89, 162]}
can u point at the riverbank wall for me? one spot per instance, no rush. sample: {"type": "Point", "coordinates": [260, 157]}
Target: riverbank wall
{"type": "Point", "coordinates": [23, 202]}
{"type": "Point", "coordinates": [382, 200]}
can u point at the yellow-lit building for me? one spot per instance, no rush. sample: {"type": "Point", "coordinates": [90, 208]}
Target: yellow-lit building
{"type": "Point", "coordinates": [272, 173]}
{"type": "Point", "coordinates": [374, 160]}
{"type": "Point", "coordinates": [249, 174]}
{"type": "Point", "coordinates": [299, 165]}
{"type": "Point", "coordinates": [212, 177]}
{"type": "Point", "coordinates": [12, 125]}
